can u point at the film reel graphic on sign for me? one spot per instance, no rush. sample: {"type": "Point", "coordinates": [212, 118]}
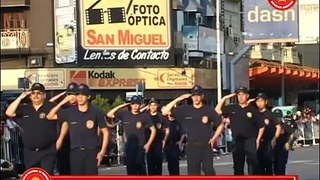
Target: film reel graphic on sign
{"type": "Point", "coordinates": [95, 16]}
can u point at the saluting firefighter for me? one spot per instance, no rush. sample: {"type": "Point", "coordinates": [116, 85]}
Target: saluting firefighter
{"type": "Point", "coordinates": [284, 142]}
{"type": "Point", "coordinates": [172, 148]}
{"type": "Point", "coordinates": [247, 129]}
{"type": "Point", "coordinates": [39, 134]}
{"type": "Point", "coordinates": [63, 156]}
{"type": "Point", "coordinates": [198, 120]}
{"type": "Point", "coordinates": [84, 121]}
{"type": "Point", "coordinates": [270, 135]}
{"type": "Point", "coordinates": [155, 155]}
{"type": "Point", "coordinates": [134, 124]}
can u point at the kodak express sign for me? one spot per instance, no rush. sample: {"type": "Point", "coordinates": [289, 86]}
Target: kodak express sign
{"type": "Point", "coordinates": [127, 78]}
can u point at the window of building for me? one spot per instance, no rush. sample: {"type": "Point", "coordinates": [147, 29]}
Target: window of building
{"type": "Point", "coordinates": [13, 19]}
{"type": "Point", "coordinates": [285, 52]}
{"type": "Point", "coordinates": [190, 18]}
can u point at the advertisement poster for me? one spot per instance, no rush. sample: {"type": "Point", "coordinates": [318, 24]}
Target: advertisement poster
{"type": "Point", "coordinates": [52, 79]}
{"type": "Point", "coordinates": [127, 78]}
{"type": "Point", "coordinates": [308, 15]}
{"type": "Point", "coordinates": [125, 33]}
{"type": "Point", "coordinates": [65, 31]}
{"type": "Point", "coordinates": [263, 23]}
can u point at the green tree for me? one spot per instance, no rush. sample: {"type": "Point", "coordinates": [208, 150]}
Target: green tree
{"type": "Point", "coordinates": [117, 101]}
{"type": "Point", "coordinates": [104, 104]}
{"type": "Point", "coordinates": [101, 103]}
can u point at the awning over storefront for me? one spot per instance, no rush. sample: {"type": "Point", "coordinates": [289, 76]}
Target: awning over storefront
{"type": "Point", "coordinates": [265, 74]}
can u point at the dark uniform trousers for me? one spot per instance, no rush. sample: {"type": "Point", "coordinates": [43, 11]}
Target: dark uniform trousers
{"type": "Point", "coordinates": [43, 158]}
{"type": "Point", "coordinates": [135, 159]}
{"type": "Point", "coordinates": [83, 161]}
{"type": "Point", "coordinates": [172, 153]}
{"type": "Point", "coordinates": [199, 157]}
{"type": "Point", "coordinates": [154, 159]}
{"type": "Point", "coordinates": [280, 159]}
{"type": "Point", "coordinates": [63, 158]}
{"type": "Point", "coordinates": [245, 148]}
{"type": "Point", "coordinates": [265, 157]}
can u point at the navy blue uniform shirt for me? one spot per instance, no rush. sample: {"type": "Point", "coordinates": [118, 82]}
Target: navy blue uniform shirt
{"type": "Point", "coordinates": [288, 125]}
{"type": "Point", "coordinates": [83, 126]}
{"type": "Point", "coordinates": [160, 123]}
{"type": "Point", "coordinates": [134, 126]}
{"type": "Point", "coordinates": [270, 125]}
{"type": "Point", "coordinates": [244, 122]}
{"type": "Point", "coordinates": [38, 131]}
{"type": "Point", "coordinates": [175, 132]}
{"type": "Point", "coordinates": [197, 123]}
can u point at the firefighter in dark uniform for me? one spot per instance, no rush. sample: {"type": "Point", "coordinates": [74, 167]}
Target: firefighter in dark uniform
{"type": "Point", "coordinates": [84, 121]}
{"type": "Point", "coordinates": [63, 142]}
{"type": "Point", "coordinates": [171, 148]}
{"type": "Point", "coordinates": [284, 143]}
{"type": "Point", "coordinates": [197, 120]}
{"type": "Point", "coordinates": [155, 156]}
{"type": "Point", "coordinates": [39, 134]}
{"type": "Point", "coordinates": [247, 129]}
{"type": "Point", "coordinates": [134, 124]}
{"type": "Point", "coordinates": [270, 135]}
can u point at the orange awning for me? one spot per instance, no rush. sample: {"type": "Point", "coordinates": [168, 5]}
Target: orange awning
{"type": "Point", "coordinates": [268, 75]}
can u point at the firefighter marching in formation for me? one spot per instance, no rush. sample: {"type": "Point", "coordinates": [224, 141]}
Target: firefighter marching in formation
{"type": "Point", "coordinates": [74, 132]}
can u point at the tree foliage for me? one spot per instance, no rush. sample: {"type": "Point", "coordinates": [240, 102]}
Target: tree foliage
{"type": "Point", "coordinates": [104, 104]}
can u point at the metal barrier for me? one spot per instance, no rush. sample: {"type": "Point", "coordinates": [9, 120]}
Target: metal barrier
{"type": "Point", "coordinates": [10, 145]}
{"type": "Point", "coordinates": [5, 144]}
{"type": "Point", "coordinates": [308, 132]}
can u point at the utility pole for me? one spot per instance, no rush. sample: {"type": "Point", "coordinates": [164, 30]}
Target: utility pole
{"type": "Point", "coordinates": [282, 103]}
{"type": "Point", "coordinates": [219, 91]}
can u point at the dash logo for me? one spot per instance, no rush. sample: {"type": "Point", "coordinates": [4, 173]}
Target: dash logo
{"type": "Point", "coordinates": [282, 4]}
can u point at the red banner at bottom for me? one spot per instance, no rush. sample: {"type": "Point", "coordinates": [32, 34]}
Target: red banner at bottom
{"type": "Point", "coordinates": [178, 177]}
{"type": "Point", "coordinates": [40, 174]}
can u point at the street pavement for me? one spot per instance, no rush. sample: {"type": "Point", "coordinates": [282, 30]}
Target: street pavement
{"type": "Point", "coordinates": [303, 161]}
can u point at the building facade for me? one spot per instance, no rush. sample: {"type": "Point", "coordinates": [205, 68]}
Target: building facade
{"type": "Point", "coordinates": [58, 42]}
{"type": "Point", "coordinates": [291, 67]}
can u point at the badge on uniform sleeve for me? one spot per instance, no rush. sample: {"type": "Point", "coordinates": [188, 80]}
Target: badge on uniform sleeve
{"type": "Point", "coordinates": [249, 114]}
{"type": "Point", "coordinates": [158, 125]}
{"type": "Point", "coordinates": [90, 124]}
{"type": "Point", "coordinates": [42, 115]}
{"type": "Point", "coordinates": [267, 121]}
{"type": "Point", "coordinates": [138, 125]}
{"type": "Point", "coordinates": [205, 119]}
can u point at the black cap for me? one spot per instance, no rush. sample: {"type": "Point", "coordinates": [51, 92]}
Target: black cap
{"type": "Point", "coordinates": [38, 86]}
{"type": "Point", "coordinates": [262, 96]}
{"type": "Point", "coordinates": [72, 88]}
{"type": "Point", "coordinates": [242, 89]}
{"type": "Point", "coordinates": [136, 99]}
{"type": "Point", "coordinates": [84, 89]}
{"type": "Point", "coordinates": [153, 100]}
{"type": "Point", "coordinates": [196, 90]}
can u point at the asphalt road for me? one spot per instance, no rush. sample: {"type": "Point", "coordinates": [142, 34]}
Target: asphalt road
{"type": "Point", "coordinates": [303, 161]}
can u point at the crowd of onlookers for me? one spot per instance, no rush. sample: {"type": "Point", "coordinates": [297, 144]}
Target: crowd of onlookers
{"type": "Point", "coordinates": [308, 127]}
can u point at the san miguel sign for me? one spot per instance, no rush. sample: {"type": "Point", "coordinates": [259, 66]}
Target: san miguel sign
{"type": "Point", "coordinates": [125, 33]}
